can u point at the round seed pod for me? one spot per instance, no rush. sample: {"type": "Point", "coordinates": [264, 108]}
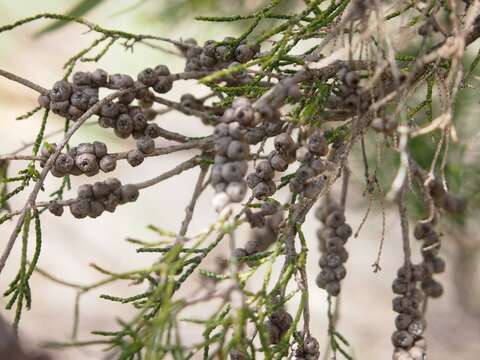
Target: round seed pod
{"type": "Point", "coordinates": [74, 112]}
{"type": "Point", "coordinates": [422, 230]}
{"type": "Point", "coordinates": [100, 149]}
{"type": "Point", "coordinates": [124, 124]}
{"type": "Point", "coordinates": [86, 162]}
{"type": "Point", "coordinates": [120, 81]}
{"type": "Point", "coordinates": [111, 202]}
{"type": "Point", "coordinates": [82, 78]}
{"type": "Point", "coordinates": [278, 163]}
{"type": "Point", "coordinates": [85, 148]}
{"type": "Point", "coordinates": [44, 101]}
{"type": "Point", "coordinates": [55, 208]}
{"type": "Point", "coordinates": [110, 109]}
{"type": "Point", "coordinates": [264, 189]}
{"type": "Point", "coordinates": [454, 204]}
{"type": "Point", "coordinates": [85, 191]}
{"type": "Point", "coordinates": [64, 163]}
{"type": "Point", "coordinates": [264, 171]}
{"type": "Point", "coordinates": [60, 107]}
{"type": "Point", "coordinates": [152, 130]}
{"type": "Point", "coordinates": [303, 154]}
{"type": "Point", "coordinates": [99, 77]}
{"type": "Point", "coordinates": [399, 286]}
{"type": "Point", "coordinates": [163, 85]}
{"type": "Point", "coordinates": [402, 339]}
{"type": "Point", "coordinates": [237, 150]}
{"type": "Point", "coordinates": [253, 180]}
{"type": "Point", "coordinates": [146, 145]}
{"type": "Point", "coordinates": [126, 98]}
{"type": "Point", "coordinates": [304, 173]}
{"type": "Point", "coordinates": [417, 327]}
{"type": "Point", "coordinates": [106, 122]}
{"type": "Point", "coordinates": [107, 163]}
{"type": "Point", "coordinates": [333, 288]}
{"type": "Point", "coordinates": [220, 200]}
{"type": "Point", "coordinates": [402, 321]}
{"type": "Point", "coordinates": [220, 130]}
{"type": "Point", "coordinates": [333, 244]}
{"type": "Point", "coordinates": [162, 70]}
{"type": "Point", "coordinates": [80, 208]}
{"type": "Point", "coordinates": [233, 171]}
{"type": "Point", "coordinates": [129, 193]}
{"type": "Point", "coordinates": [96, 209]}
{"type": "Point", "coordinates": [148, 77]}
{"type": "Point", "coordinates": [235, 131]}
{"type": "Point", "coordinates": [344, 231]}
{"type": "Point", "coordinates": [61, 91]}
{"type": "Point", "coordinates": [100, 190]}
{"type": "Point", "coordinates": [135, 157]}
{"type": "Point", "coordinates": [432, 288]}
{"type": "Point", "coordinates": [244, 114]}
{"type": "Point", "coordinates": [335, 219]}
{"type": "Point", "coordinates": [236, 191]}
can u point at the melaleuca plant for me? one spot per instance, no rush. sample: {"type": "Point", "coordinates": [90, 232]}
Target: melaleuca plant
{"type": "Point", "coordinates": [324, 83]}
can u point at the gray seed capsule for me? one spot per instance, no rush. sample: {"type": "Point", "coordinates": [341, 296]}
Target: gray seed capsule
{"type": "Point", "coordinates": [60, 107]}
{"type": "Point", "coordinates": [153, 131]}
{"type": "Point", "coordinates": [107, 163]}
{"type": "Point", "coordinates": [237, 150]}
{"type": "Point", "coordinates": [106, 122]}
{"type": "Point", "coordinates": [61, 91]}
{"type": "Point", "coordinates": [44, 101]}
{"type": "Point", "coordinates": [162, 70]}
{"type": "Point", "coordinates": [129, 193]}
{"type": "Point", "coordinates": [85, 191]}
{"type": "Point", "coordinates": [85, 148]}
{"type": "Point", "coordinates": [110, 109]}
{"type": "Point", "coordinates": [163, 85]}
{"type": "Point", "coordinates": [264, 170]}
{"type": "Point", "coordinates": [120, 81]}
{"type": "Point", "coordinates": [80, 208]}
{"type": "Point", "coordinates": [82, 78]}
{"type": "Point", "coordinates": [100, 149]}
{"type": "Point", "coordinates": [96, 209]}
{"type": "Point", "coordinates": [278, 163]}
{"type": "Point", "coordinates": [146, 145]}
{"type": "Point", "coordinates": [233, 171]}
{"type": "Point", "coordinates": [124, 124]}
{"type": "Point", "coordinates": [87, 163]}
{"type": "Point", "coordinates": [99, 77]}
{"type": "Point", "coordinates": [148, 77]}
{"type": "Point", "coordinates": [64, 163]}
{"type": "Point", "coordinates": [111, 202]}
{"type": "Point", "coordinates": [236, 191]}
{"type": "Point", "coordinates": [100, 190]}
{"type": "Point", "coordinates": [135, 157]}
{"type": "Point", "coordinates": [55, 208]}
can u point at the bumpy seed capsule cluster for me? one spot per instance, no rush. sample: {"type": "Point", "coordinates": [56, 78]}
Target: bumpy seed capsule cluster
{"type": "Point", "coordinates": [410, 323]}
{"type": "Point", "coordinates": [349, 95]}
{"type": "Point", "coordinates": [432, 263]}
{"type": "Point", "coordinates": [263, 235]}
{"type": "Point", "coordinates": [261, 181]}
{"type": "Point", "coordinates": [215, 56]}
{"type": "Point", "coordinates": [278, 324]}
{"type": "Point", "coordinates": [232, 152]}
{"type": "Point", "coordinates": [445, 200]}
{"type": "Point", "coordinates": [86, 158]}
{"type": "Point", "coordinates": [93, 200]}
{"type": "Point", "coordinates": [306, 179]}
{"type": "Point", "coordinates": [309, 351]}
{"type": "Point", "coordinates": [72, 100]}
{"type": "Point", "coordinates": [333, 237]}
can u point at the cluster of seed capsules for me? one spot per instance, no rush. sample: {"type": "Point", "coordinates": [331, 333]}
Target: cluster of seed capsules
{"type": "Point", "coordinates": [86, 158]}
{"type": "Point", "coordinates": [310, 349]}
{"type": "Point", "coordinates": [261, 181]}
{"type": "Point", "coordinates": [216, 55]}
{"type": "Point", "coordinates": [307, 180]}
{"type": "Point", "coordinates": [93, 200]}
{"type": "Point", "coordinates": [349, 95]}
{"type": "Point", "coordinates": [231, 153]}
{"type": "Point", "coordinates": [410, 323]}
{"type": "Point", "coordinates": [332, 239]}
{"type": "Point", "coordinates": [432, 263]}
{"type": "Point", "coordinates": [445, 200]}
{"type": "Point", "coordinates": [266, 223]}
{"type": "Point", "coordinates": [278, 324]}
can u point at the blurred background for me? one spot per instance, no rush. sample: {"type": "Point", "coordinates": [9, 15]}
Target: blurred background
{"type": "Point", "coordinates": [37, 52]}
